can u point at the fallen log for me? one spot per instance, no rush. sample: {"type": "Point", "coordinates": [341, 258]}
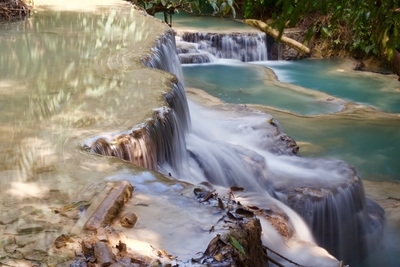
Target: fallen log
{"type": "Point", "coordinates": [110, 206]}
{"type": "Point", "coordinates": [275, 33]}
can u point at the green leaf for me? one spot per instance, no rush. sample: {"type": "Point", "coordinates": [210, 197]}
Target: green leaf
{"type": "Point", "coordinates": [369, 48]}
{"type": "Point", "coordinates": [326, 31]}
{"type": "Point", "coordinates": [237, 245]}
{"type": "Point", "coordinates": [224, 9]}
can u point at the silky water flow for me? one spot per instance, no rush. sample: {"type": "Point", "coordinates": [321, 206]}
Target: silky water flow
{"type": "Point", "coordinates": [77, 74]}
{"type": "Point", "coordinates": [237, 146]}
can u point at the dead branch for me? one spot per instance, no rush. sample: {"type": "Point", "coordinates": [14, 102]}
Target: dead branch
{"type": "Point", "coordinates": [274, 33]}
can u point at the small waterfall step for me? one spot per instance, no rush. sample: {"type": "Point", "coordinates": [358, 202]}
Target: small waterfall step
{"type": "Point", "coordinates": [189, 53]}
{"type": "Point", "coordinates": [243, 46]}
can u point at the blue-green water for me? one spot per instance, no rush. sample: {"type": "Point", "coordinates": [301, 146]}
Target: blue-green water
{"type": "Point", "coordinates": [371, 145]}
{"type": "Point", "coordinates": [369, 140]}
{"type": "Point", "coordinates": [240, 83]}
{"type": "Point", "coordinates": [204, 22]}
{"type": "Point", "coordinates": [359, 87]}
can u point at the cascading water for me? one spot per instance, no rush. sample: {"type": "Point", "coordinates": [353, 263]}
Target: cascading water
{"type": "Point", "coordinates": [246, 148]}
{"type": "Point", "coordinates": [241, 46]}
{"type": "Point", "coordinates": [161, 140]}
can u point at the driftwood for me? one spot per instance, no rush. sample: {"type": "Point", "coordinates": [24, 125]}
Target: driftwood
{"type": "Point", "coordinates": [110, 206]}
{"type": "Point", "coordinates": [102, 254]}
{"type": "Point", "coordinates": [274, 33]}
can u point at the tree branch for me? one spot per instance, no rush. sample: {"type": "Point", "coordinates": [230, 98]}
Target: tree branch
{"type": "Point", "coordinates": [275, 33]}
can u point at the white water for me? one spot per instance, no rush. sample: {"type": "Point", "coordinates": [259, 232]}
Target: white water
{"type": "Point", "coordinates": [241, 147]}
{"type": "Point", "coordinates": [222, 141]}
{"type": "Point", "coordinates": [238, 147]}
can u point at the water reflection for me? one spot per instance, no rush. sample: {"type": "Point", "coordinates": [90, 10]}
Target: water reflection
{"type": "Point", "coordinates": [65, 77]}
{"type": "Point", "coordinates": [63, 71]}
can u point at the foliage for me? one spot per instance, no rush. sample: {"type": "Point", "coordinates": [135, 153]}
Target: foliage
{"type": "Point", "coordinates": [260, 9]}
{"type": "Point", "coordinates": [237, 245]}
{"type": "Point", "coordinates": [219, 7]}
{"type": "Point", "coordinates": [375, 23]}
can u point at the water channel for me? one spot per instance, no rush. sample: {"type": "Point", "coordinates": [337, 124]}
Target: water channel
{"type": "Point", "coordinates": [69, 77]}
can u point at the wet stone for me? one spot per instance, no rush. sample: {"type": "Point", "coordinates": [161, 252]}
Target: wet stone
{"type": "Point", "coordinates": [11, 229]}
{"type": "Point", "coordinates": [10, 248]}
{"type": "Point", "coordinates": [23, 240]}
{"type": "Point", "coordinates": [14, 215]}
{"type": "Point", "coordinates": [129, 220]}
{"type": "Point", "coordinates": [62, 241]}
{"type": "Point", "coordinates": [39, 240]}
{"type": "Point", "coordinates": [13, 263]}
{"type": "Point", "coordinates": [35, 255]}
{"type": "Point", "coordinates": [16, 254]}
{"type": "Point", "coordinates": [6, 239]}
{"type": "Point", "coordinates": [3, 254]}
{"type": "Point", "coordinates": [30, 229]}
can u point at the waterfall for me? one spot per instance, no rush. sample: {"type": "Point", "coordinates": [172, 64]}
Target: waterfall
{"type": "Point", "coordinates": [241, 46]}
{"type": "Point", "coordinates": [243, 147]}
{"type": "Point", "coordinates": [165, 58]}
{"type": "Point", "coordinates": [342, 220]}
{"type": "Point", "coordinates": [161, 140]}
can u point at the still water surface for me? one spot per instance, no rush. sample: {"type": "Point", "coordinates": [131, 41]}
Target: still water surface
{"type": "Point", "coordinates": [330, 76]}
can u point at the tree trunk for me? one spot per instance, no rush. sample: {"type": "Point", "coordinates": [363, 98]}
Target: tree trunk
{"type": "Point", "coordinates": [274, 33]}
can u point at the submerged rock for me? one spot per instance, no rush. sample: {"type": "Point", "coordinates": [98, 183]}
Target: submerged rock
{"type": "Point", "coordinates": [129, 219]}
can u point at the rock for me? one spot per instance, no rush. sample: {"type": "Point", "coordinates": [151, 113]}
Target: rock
{"type": "Point", "coordinates": [12, 216]}
{"type": "Point", "coordinates": [87, 248]}
{"type": "Point", "coordinates": [129, 220]}
{"type": "Point", "coordinates": [359, 65]}
{"type": "Point", "coordinates": [13, 263]}
{"type": "Point", "coordinates": [35, 255]}
{"type": "Point", "coordinates": [30, 229]}
{"type": "Point", "coordinates": [5, 239]}
{"type": "Point", "coordinates": [10, 248]}
{"type": "Point", "coordinates": [62, 241]}
{"type": "Point", "coordinates": [3, 254]}
{"type": "Point", "coordinates": [16, 254]}
{"type": "Point", "coordinates": [40, 240]}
